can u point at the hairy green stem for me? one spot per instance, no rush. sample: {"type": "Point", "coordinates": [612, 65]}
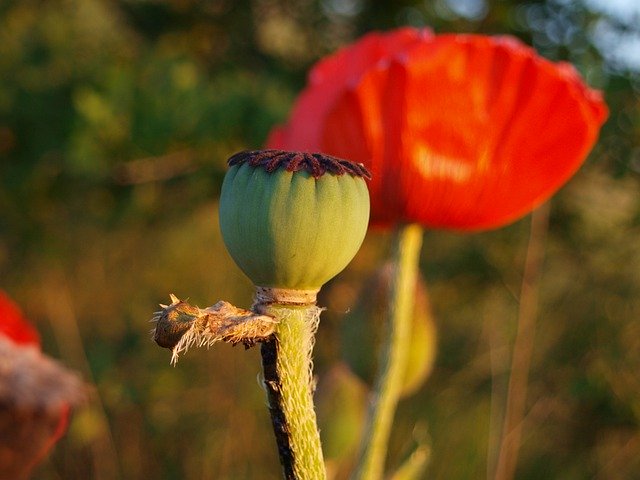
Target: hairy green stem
{"type": "Point", "coordinates": [393, 362]}
{"type": "Point", "coordinates": [286, 360]}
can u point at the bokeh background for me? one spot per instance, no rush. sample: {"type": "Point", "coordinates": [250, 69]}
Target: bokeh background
{"type": "Point", "coordinates": [116, 118]}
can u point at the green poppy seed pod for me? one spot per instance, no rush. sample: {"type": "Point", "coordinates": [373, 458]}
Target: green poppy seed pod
{"type": "Point", "coordinates": [293, 220]}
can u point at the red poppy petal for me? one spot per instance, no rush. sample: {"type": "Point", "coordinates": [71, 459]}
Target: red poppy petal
{"type": "Point", "coordinates": [356, 129]}
{"type": "Point", "coordinates": [14, 325]}
{"type": "Point", "coordinates": [476, 131]}
{"type": "Point", "coordinates": [349, 63]}
{"type": "Point", "coordinates": [494, 154]}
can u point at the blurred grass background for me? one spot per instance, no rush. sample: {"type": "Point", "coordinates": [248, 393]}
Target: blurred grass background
{"type": "Point", "coordinates": [116, 118]}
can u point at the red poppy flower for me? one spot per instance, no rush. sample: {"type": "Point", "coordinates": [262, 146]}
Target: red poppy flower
{"type": "Point", "coordinates": [464, 132]}
{"type": "Point", "coordinates": [13, 324]}
{"type": "Point", "coordinates": [36, 395]}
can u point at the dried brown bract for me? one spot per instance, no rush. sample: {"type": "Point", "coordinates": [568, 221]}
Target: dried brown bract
{"type": "Point", "coordinates": [180, 326]}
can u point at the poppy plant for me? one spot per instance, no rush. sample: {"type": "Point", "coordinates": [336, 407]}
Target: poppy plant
{"type": "Point", "coordinates": [464, 132]}
{"type": "Point", "coordinates": [36, 395]}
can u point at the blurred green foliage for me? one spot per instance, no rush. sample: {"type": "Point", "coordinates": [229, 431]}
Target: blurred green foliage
{"type": "Point", "coordinates": [116, 117]}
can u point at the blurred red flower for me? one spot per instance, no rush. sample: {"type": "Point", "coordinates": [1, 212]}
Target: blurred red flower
{"type": "Point", "coordinates": [464, 132]}
{"type": "Point", "coordinates": [13, 324]}
{"type": "Point", "coordinates": [36, 395]}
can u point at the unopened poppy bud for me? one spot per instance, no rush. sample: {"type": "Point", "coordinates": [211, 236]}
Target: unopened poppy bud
{"type": "Point", "coordinates": [293, 220]}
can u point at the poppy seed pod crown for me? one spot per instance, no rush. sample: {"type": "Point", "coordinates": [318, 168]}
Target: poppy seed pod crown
{"type": "Point", "coordinates": [293, 220]}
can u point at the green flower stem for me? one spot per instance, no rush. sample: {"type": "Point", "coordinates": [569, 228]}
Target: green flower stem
{"type": "Point", "coordinates": [286, 360]}
{"type": "Point", "coordinates": [388, 386]}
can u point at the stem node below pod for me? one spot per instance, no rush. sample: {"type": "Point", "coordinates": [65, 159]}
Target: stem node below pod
{"type": "Point", "coordinates": [293, 220]}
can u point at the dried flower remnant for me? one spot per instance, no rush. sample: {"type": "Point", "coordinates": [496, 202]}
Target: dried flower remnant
{"type": "Point", "coordinates": [180, 326]}
{"type": "Point", "coordinates": [36, 395]}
